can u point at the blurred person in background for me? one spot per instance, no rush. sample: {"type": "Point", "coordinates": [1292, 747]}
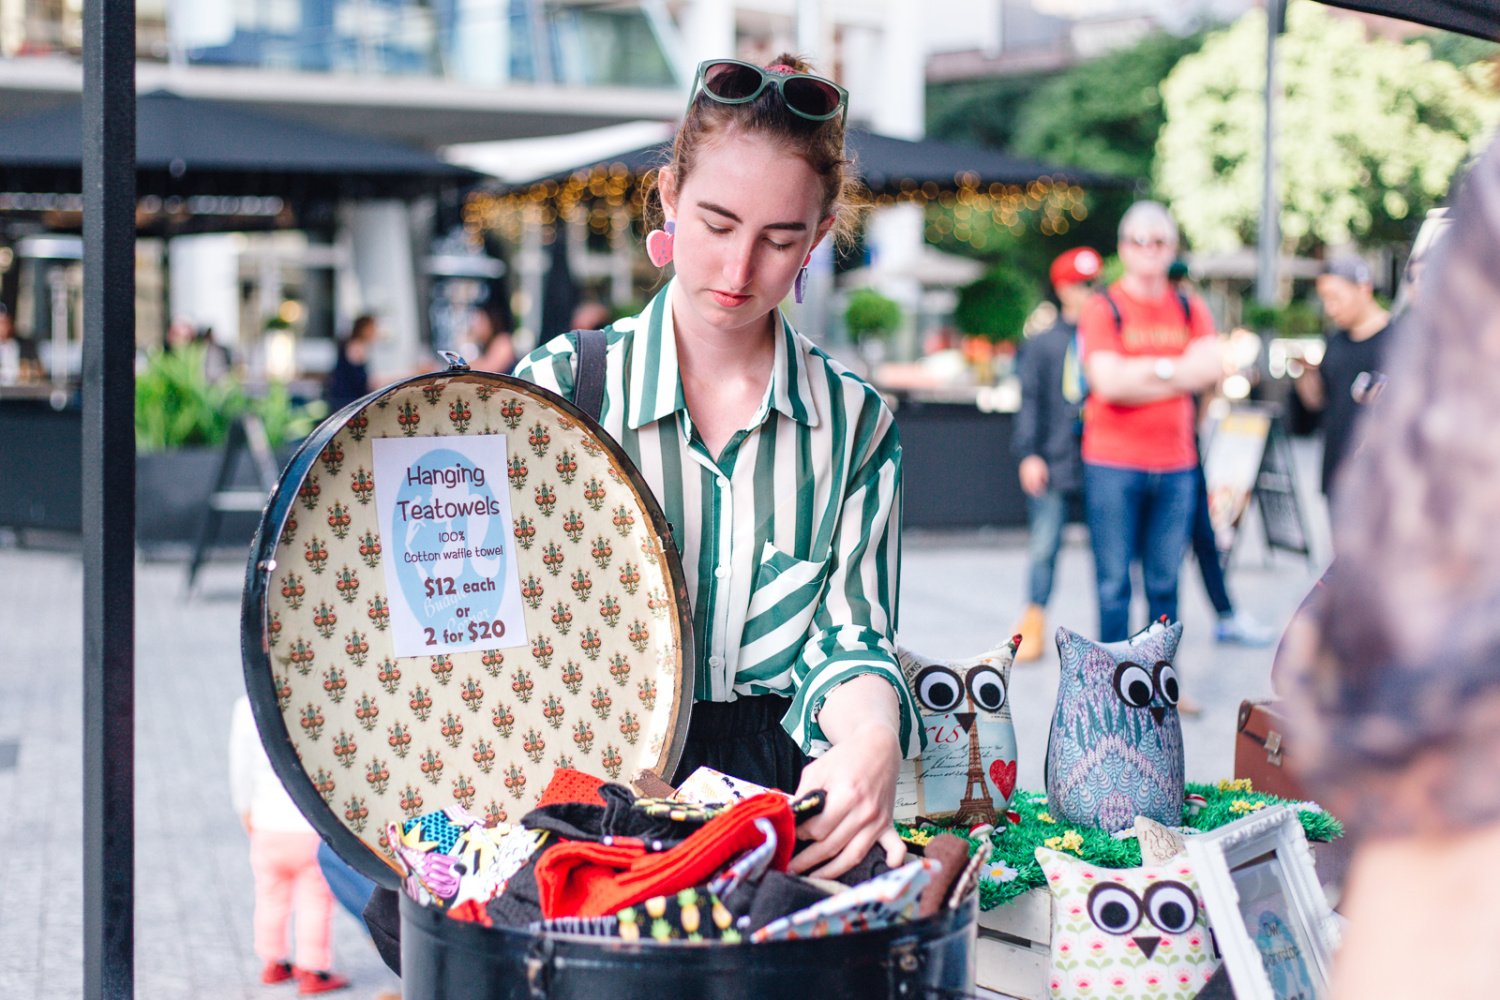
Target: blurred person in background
{"type": "Point", "coordinates": [289, 887]}
{"type": "Point", "coordinates": [350, 378]}
{"type": "Point", "coordinates": [1047, 435]}
{"type": "Point", "coordinates": [1391, 670]}
{"type": "Point", "coordinates": [1357, 344]}
{"type": "Point", "coordinates": [590, 315]}
{"type": "Point", "coordinates": [1147, 350]}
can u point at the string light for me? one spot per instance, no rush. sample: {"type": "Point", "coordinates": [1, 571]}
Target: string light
{"type": "Point", "coordinates": [608, 196]}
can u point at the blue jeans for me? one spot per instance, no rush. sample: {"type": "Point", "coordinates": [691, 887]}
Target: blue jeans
{"type": "Point", "coordinates": [348, 886]}
{"type": "Point", "coordinates": [1046, 515]}
{"type": "Point", "coordinates": [1206, 550]}
{"type": "Point", "coordinates": [1137, 516]}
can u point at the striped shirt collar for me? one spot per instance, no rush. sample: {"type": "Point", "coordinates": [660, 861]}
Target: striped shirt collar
{"type": "Point", "coordinates": [656, 379]}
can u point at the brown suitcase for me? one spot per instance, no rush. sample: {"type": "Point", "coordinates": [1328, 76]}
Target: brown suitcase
{"type": "Point", "coordinates": [1260, 751]}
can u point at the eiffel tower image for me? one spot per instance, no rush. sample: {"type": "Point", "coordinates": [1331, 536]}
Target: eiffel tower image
{"type": "Point", "coordinates": [976, 806]}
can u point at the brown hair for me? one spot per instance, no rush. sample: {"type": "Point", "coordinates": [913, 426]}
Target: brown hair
{"type": "Point", "coordinates": [820, 144]}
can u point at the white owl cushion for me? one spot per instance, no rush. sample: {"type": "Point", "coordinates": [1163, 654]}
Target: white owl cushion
{"type": "Point", "coordinates": [967, 773]}
{"type": "Point", "coordinates": [1140, 932]}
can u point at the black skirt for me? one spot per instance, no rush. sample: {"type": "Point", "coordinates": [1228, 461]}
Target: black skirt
{"type": "Point", "coordinates": [744, 739]}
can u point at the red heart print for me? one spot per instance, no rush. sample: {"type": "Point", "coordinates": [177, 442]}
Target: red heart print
{"type": "Point", "coordinates": [1003, 774]}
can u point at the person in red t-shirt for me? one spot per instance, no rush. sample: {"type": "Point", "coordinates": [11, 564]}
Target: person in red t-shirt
{"type": "Point", "coordinates": [1146, 350]}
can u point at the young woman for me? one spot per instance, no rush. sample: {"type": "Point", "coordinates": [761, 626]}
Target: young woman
{"type": "Point", "coordinates": [778, 469]}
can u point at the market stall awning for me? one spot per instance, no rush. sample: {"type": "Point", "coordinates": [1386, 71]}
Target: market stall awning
{"type": "Point", "coordinates": [223, 159]}
{"type": "Point", "coordinates": [1480, 18]}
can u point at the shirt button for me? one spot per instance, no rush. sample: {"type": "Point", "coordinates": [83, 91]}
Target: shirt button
{"type": "Point", "coordinates": [716, 661]}
{"type": "Point", "coordinates": [721, 571]}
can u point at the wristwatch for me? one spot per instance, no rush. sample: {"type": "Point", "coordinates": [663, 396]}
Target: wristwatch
{"type": "Point", "coordinates": [1165, 369]}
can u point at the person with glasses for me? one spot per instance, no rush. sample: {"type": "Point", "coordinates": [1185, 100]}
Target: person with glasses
{"type": "Point", "coordinates": [1045, 440]}
{"type": "Point", "coordinates": [778, 468]}
{"type": "Point", "coordinates": [1146, 352]}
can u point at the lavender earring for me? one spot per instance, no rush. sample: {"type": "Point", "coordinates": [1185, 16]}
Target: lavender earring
{"type": "Point", "coordinates": [659, 244]}
{"type": "Point", "coordinates": [799, 288]}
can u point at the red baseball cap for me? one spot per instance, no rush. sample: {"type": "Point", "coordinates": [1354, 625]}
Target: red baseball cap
{"type": "Point", "coordinates": [1081, 264]}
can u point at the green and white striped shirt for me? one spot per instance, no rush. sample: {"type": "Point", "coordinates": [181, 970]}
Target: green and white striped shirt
{"type": "Point", "coordinates": [790, 540]}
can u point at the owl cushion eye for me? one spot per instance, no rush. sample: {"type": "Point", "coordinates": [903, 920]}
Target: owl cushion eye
{"type": "Point", "coordinates": [1114, 909]}
{"type": "Point", "coordinates": [987, 688]}
{"type": "Point", "coordinates": [1166, 682]}
{"type": "Point", "coordinates": [1133, 685]}
{"type": "Point", "coordinates": [1171, 907]}
{"type": "Point", "coordinates": [939, 688]}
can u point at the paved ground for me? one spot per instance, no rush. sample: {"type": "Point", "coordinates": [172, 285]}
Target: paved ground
{"type": "Point", "coordinates": [960, 595]}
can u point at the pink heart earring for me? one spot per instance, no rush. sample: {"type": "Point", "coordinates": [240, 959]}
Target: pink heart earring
{"type": "Point", "coordinates": [799, 288]}
{"type": "Point", "coordinates": [659, 244]}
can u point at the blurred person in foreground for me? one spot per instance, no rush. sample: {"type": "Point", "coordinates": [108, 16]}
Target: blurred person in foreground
{"type": "Point", "coordinates": [1046, 436]}
{"type": "Point", "coordinates": [1357, 344]}
{"type": "Point", "coordinates": [1146, 351]}
{"type": "Point", "coordinates": [1391, 672]}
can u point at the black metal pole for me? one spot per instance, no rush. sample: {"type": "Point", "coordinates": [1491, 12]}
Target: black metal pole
{"type": "Point", "coordinates": [108, 499]}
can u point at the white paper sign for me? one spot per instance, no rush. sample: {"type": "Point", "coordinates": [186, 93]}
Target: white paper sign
{"type": "Point", "coordinates": [450, 565]}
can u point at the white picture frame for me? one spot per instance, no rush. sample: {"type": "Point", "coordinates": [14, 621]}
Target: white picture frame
{"type": "Point", "coordinates": [1274, 927]}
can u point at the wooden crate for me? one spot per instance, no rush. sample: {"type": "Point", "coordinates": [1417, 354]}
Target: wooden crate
{"type": "Point", "coordinates": [1014, 952]}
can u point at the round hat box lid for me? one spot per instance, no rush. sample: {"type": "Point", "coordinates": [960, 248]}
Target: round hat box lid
{"type": "Point", "coordinates": [460, 584]}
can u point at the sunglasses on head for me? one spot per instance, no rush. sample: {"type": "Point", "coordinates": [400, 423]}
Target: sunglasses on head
{"type": "Point", "coordinates": [730, 81]}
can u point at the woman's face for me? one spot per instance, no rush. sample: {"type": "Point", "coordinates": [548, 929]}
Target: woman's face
{"type": "Point", "coordinates": [746, 216]}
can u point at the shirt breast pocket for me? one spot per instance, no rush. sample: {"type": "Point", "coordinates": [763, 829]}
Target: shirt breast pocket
{"type": "Point", "coordinates": [786, 595]}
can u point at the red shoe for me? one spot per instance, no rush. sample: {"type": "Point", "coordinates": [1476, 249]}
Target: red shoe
{"type": "Point", "coordinates": [319, 982]}
{"type": "Point", "coordinates": [276, 972]}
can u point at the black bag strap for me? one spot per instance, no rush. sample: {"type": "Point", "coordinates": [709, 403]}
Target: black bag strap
{"type": "Point", "coordinates": [588, 380]}
{"type": "Point", "coordinates": [1182, 300]}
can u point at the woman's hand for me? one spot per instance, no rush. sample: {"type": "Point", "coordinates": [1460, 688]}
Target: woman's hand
{"type": "Point", "coordinates": [859, 776]}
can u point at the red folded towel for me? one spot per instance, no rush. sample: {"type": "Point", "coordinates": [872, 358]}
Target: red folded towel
{"type": "Point", "coordinates": [583, 879]}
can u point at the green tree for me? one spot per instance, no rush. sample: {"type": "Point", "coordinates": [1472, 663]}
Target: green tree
{"type": "Point", "coordinates": [1370, 132]}
{"type": "Point", "coordinates": [1101, 116]}
{"type": "Point", "coordinates": [1104, 115]}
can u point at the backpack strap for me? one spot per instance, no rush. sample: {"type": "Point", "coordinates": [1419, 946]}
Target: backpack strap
{"type": "Point", "coordinates": [588, 381]}
{"type": "Point", "coordinates": [1182, 300]}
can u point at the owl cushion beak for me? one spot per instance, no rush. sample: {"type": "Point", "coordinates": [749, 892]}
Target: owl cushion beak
{"type": "Point", "coordinates": [1158, 713]}
{"type": "Point", "coordinates": [1147, 945]}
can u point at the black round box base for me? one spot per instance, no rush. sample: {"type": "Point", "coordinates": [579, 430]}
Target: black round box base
{"type": "Point", "coordinates": [443, 959]}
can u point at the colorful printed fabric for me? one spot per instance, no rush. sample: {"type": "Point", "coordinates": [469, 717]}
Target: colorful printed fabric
{"type": "Point", "coordinates": [891, 898]}
{"type": "Point", "coordinates": [620, 816]}
{"type": "Point", "coordinates": [490, 859]}
{"type": "Point", "coordinates": [441, 828]}
{"type": "Point", "coordinates": [1126, 931]}
{"type": "Point", "coordinates": [690, 915]}
{"type": "Point", "coordinates": [708, 787]}
{"type": "Point", "coordinates": [788, 535]}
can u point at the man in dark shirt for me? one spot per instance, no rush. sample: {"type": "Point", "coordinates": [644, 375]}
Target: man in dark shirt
{"type": "Point", "coordinates": [1358, 344]}
{"type": "Point", "coordinates": [1046, 435]}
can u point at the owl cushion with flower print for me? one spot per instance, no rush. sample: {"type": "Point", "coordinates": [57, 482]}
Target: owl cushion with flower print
{"type": "Point", "coordinates": [1126, 933]}
{"type": "Point", "coordinates": [1115, 749]}
{"type": "Point", "coordinates": [968, 770]}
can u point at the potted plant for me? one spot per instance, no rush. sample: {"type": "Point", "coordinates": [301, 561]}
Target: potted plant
{"type": "Point", "coordinates": [994, 308]}
{"type": "Point", "coordinates": [871, 318]}
{"type": "Point", "coordinates": [182, 421]}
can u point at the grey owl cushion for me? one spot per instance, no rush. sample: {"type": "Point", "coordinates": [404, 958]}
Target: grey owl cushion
{"type": "Point", "coordinates": [1115, 748]}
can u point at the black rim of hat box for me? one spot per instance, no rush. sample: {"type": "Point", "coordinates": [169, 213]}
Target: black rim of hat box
{"type": "Point", "coordinates": [254, 641]}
